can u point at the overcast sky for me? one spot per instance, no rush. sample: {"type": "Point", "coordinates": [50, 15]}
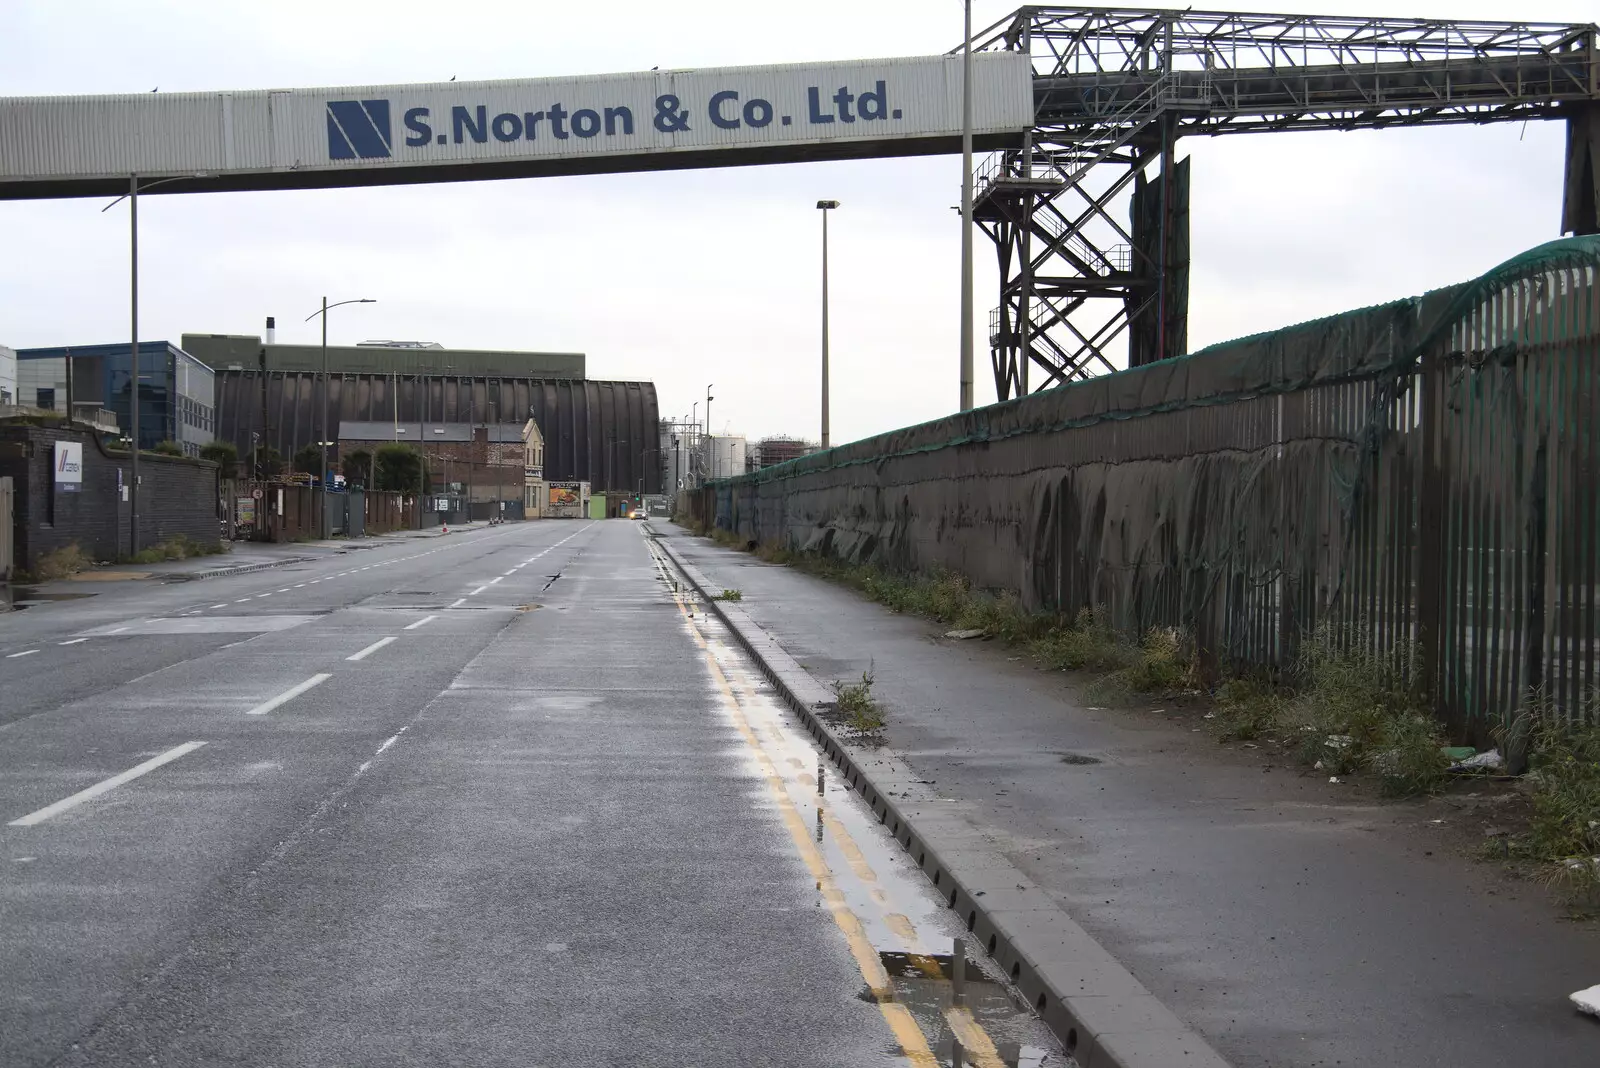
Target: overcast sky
{"type": "Point", "coordinates": [696, 277]}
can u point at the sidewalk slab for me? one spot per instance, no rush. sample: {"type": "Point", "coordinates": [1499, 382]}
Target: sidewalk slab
{"type": "Point", "coordinates": [1292, 924]}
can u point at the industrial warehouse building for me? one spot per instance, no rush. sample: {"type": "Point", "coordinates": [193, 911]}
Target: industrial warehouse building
{"type": "Point", "coordinates": [271, 395]}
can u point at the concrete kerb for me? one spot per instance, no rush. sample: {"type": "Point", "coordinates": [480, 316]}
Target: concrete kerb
{"type": "Point", "coordinates": [243, 569]}
{"type": "Point", "coordinates": [1100, 1011]}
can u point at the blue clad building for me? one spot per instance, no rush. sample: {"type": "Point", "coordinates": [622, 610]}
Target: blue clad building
{"type": "Point", "coordinates": [177, 393]}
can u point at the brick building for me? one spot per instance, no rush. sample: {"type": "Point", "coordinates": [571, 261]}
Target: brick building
{"type": "Point", "coordinates": [483, 463]}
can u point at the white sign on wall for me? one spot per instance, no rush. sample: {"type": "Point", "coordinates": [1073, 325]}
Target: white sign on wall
{"type": "Point", "coordinates": [69, 462]}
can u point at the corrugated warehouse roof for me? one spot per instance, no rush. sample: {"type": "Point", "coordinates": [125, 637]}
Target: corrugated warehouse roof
{"type": "Point", "coordinates": [243, 352]}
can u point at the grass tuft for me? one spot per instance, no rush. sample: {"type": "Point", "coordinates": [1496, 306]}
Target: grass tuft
{"type": "Point", "coordinates": [1355, 712]}
{"type": "Point", "coordinates": [729, 595]}
{"type": "Point", "coordinates": [856, 705]}
{"type": "Point", "coordinates": [1163, 665]}
{"type": "Point", "coordinates": [60, 563]}
{"type": "Point", "coordinates": [1563, 834]}
{"type": "Point", "coordinates": [1247, 710]}
{"type": "Point", "coordinates": [179, 547]}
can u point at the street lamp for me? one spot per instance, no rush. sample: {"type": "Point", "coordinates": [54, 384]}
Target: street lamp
{"type": "Point", "coordinates": [711, 442]}
{"type": "Point", "coordinates": [132, 197]}
{"type": "Point", "coordinates": [966, 217]}
{"type": "Point", "coordinates": [327, 389]}
{"type": "Point", "coordinates": [826, 206]}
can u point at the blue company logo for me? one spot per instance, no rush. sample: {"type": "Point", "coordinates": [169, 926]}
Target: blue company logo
{"type": "Point", "coordinates": [359, 129]}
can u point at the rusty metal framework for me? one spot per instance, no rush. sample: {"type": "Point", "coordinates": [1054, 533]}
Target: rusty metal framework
{"type": "Point", "coordinates": [1090, 215]}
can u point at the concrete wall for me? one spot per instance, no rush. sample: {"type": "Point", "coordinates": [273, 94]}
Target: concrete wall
{"type": "Point", "coordinates": [179, 496]}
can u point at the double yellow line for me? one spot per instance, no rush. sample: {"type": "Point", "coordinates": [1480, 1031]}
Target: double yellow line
{"type": "Point", "coordinates": [979, 1048]}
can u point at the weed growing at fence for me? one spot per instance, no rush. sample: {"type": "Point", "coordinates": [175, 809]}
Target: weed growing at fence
{"type": "Point", "coordinates": [1563, 834]}
{"type": "Point", "coordinates": [1247, 709]}
{"type": "Point", "coordinates": [1353, 711]}
{"type": "Point", "coordinates": [726, 538]}
{"type": "Point", "coordinates": [59, 563]}
{"type": "Point", "coordinates": [856, 705]}
{"type": "Point", "coordinates": [1087, 644]}
{"type": "Point", "coordinates": [1163, 664]}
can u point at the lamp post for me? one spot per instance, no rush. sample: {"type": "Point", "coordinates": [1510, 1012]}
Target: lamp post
{"type": "Point", "coordinates": [132, 197]}
{"type": "Point", "coordinates": [826, 206]}
{"type": "Point", "coordinates": [710, 441]}
{"type": "Point", "coordinates": [966, 216]}
{"type": "Point", "coordinates": [327, 388]}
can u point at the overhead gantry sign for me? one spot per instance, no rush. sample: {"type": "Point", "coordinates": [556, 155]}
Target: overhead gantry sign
{"type": "Point", "coordinates": [461, 131]}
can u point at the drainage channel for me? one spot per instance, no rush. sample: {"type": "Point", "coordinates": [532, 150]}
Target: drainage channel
{"type": "Point", "coordinates": [866, 877]}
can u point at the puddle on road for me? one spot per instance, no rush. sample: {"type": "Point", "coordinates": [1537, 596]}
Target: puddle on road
{"type": "Point", "coordinates": [17, 598]}
{"type": "Point", "coordinates": [866, 878]}
{"type": "Point", "coordinates": [926, 992]}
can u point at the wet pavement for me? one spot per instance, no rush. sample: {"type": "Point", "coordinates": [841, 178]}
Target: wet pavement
{"type": "Point", "coordinates": [509, 798]}
{"type": "Point", "coordinates": [1294, 925]}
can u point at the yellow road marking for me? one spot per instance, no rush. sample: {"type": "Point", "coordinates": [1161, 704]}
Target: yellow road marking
{"type": "Point", "coordinates": [974, 1039]}
{"type": "Point", "coordinates": [899, 1019]}
{"type": "Point", "coordinates": [979, 1047]}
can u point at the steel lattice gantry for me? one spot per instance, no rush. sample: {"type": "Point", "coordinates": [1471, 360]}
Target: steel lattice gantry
{"type": "Point", "coordinates": [1090, 214]}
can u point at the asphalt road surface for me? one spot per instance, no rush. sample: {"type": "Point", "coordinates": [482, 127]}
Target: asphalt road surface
{"type": "Point", "coordinates": [504, 797]}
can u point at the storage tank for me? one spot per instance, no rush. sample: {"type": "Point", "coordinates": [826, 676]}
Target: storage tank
{"type": "Point", "coordinates": [725, 458]}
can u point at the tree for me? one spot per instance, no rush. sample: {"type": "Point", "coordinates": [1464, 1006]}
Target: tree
{"type": "Point", "coordinates": [309, 460]}
{"type": "Point", "coordinates": [222, 453]}
{"type": "Point", "coordinates": [268, 462]}
{"type": "Point", "coordinates": [356, 466]}
{"type": "Point", "coordinates": [399, 468]}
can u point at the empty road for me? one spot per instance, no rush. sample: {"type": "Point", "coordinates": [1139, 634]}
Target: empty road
{"type": "Point", "coordinates": [505, 797]}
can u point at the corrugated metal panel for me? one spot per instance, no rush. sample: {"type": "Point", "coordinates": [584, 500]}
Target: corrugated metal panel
{"type": "Point", "coordinates": [608, 117]}
{"type": "Point", "coordinates": [600, 432]}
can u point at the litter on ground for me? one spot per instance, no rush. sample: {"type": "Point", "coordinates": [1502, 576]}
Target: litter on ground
{"type": "Point", "coordinates": [1488, 760]}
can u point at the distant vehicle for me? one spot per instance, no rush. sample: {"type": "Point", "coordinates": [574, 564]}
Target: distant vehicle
{"type": "Point", "coordinates": [637, 513]}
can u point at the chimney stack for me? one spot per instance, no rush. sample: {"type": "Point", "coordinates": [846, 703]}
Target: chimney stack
{"type": "Point", "coordinates": [272, 330]}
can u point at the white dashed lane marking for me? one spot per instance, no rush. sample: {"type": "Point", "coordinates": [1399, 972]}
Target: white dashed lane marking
{"type": "Point", "coordinates": [290, 694]}
{"type": "Point", "coordinates": [374, 647]}
{"type": "Point", "coordinates": [105, 785]}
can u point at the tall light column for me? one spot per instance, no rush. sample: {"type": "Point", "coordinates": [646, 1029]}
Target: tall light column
{"type": "Point", "coordinates": [826, 206]}
{"type": "Point", "coordinates": [966, 215]}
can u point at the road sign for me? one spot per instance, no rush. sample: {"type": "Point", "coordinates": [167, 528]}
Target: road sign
{"type": "Point", "coordinates": [256, 493]}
